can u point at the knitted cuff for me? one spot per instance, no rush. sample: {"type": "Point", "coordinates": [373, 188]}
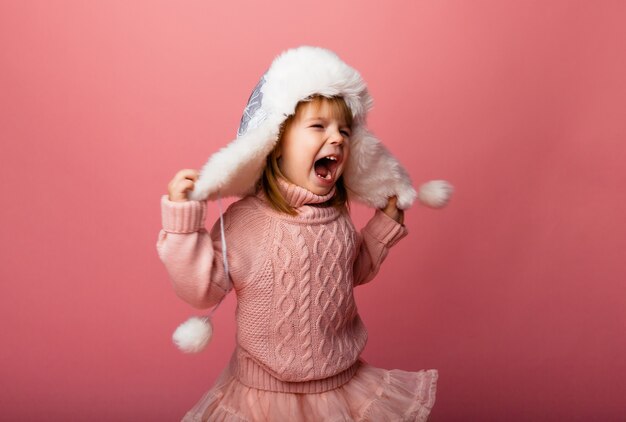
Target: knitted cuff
{"type": "Point", "coordinates": [384, 228]}
{"type": "Point", "coordinates": [182, 217]}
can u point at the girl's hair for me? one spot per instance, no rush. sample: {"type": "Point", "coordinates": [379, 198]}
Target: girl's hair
{"type": "Point", "coordinates": [268, 181]}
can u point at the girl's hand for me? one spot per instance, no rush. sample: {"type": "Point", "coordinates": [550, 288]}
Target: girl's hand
{"type": "Point", "coordinates": [394, 212]}
{"type": "Point", "coordinates": [183, 181]}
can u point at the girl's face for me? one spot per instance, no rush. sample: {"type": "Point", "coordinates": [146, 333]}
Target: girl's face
{"type": "Point", "coordinates": [314, 148]}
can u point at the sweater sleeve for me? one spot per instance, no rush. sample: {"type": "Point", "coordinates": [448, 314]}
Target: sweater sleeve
{"type": "Point", "coordinates": [192, 256]}
{"type": "Point", "coordinates": [374, 242]}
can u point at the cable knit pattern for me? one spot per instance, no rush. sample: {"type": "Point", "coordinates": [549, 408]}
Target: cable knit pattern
{"type": "Point", "coordinates": [285, 350]}
{"type": "Point", "coordinates": [298, 328]}
{"type": "Point", "coordinates": [304, 314]}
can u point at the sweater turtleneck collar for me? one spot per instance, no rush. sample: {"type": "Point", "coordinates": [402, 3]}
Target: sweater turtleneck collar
{"type": "Point", "coordinates": [297, 196]}
{"type": "Point", "coordinates": [308, 205]}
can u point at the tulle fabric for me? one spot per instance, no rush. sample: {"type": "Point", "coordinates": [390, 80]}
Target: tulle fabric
{"type": "Point", "coordinates": [372, 394]}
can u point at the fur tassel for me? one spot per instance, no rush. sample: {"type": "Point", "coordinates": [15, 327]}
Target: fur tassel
{"type": "Point", "coordinates": [193, 335]}
{"type": "Point", "coordinates": [435, 194]}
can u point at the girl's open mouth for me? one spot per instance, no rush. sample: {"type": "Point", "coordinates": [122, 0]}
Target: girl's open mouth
{"type": "Point", "coordinates": [326, 167]}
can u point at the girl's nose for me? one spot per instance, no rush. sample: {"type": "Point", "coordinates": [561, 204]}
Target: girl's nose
{"type": "Point", "coordinates": [336, 138]}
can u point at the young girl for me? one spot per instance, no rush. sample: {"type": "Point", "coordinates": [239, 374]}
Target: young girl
{"type": "Point", "coordinates": [291, 252]}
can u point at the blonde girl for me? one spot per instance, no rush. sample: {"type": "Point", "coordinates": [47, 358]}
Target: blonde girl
{"type": "Point", "coordinates": [291, 253]}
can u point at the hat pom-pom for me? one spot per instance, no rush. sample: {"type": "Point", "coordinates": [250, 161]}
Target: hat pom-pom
{"type": "Point", "coordinates": [435, 194]}
{"type": "Point", "coordinates": [193, 335]}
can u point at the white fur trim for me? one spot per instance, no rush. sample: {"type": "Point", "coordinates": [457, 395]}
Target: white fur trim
{"type": "Point", "coordinates": [234, 169]}
{"type": "Point", "coordinates": [300, 72]}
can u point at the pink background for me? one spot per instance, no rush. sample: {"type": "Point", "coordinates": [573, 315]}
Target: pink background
{"type": "Point", "coordinates": [515, 292]}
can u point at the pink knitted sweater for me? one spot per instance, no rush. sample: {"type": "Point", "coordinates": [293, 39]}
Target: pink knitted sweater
{"type": "Point", "coordinates": [298, 329]}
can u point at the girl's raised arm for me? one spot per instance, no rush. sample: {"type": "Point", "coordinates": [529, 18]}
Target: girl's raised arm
{"type": "Point", "coordinates": [192, 256]}
{"type": "Point", "coordinates": [374, 242]}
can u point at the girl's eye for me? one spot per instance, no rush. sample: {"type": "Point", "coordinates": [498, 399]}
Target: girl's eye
{"type": "Point", "coordinates": [345, 132]}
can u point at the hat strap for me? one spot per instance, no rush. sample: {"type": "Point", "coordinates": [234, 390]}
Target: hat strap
{"type": "Point", "coordinates": [224, 250]}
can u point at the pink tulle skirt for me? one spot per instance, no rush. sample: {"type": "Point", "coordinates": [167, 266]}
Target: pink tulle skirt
{"type": "Point", "coordinates": [372, 394]}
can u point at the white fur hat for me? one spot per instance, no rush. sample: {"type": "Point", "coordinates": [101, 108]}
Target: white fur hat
{"type": "Point", "coordinates": [372, 174]}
